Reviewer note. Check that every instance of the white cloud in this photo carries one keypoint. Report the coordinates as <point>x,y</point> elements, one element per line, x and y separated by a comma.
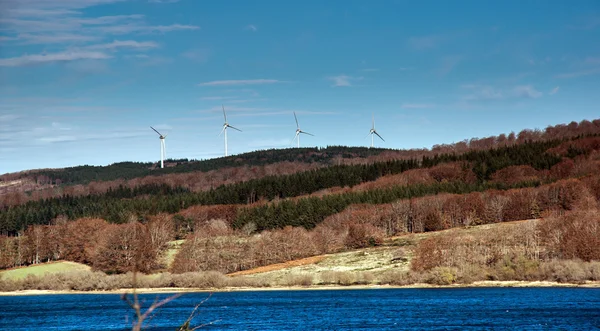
<point>137,56</point>
<point>554,90</point>
<point>57,139</point>
<point>37,12</point>
<point>53,57</point>
<point>483,92</point>
<point>240,82</point>
<point>490,93</point>
<point>251,27</point>
<point>64,22</point>
<point>581,73</point>
<point>55,5</point>
<point>132,28</point>
<point>125,44</point>
<point>8,117</point>
<point>527,91</point>
<point>55,38</point>
<point>342,80</point>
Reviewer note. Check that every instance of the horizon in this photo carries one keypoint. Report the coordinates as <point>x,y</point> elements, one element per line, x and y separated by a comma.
<point>83,81</point>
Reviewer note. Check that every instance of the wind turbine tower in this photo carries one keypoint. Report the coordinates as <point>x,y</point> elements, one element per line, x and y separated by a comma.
<point>225,126</point>
<point>163,148</point>
<point>373,132</point>
<point>298,132</point>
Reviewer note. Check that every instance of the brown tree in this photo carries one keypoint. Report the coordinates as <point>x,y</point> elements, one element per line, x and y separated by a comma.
<point>124,248</point>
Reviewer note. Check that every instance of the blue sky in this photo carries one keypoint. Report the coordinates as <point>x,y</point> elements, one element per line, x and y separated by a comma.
<point>81,81</point>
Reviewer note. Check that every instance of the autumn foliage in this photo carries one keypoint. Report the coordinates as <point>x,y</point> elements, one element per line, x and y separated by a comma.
<point>261,217</point>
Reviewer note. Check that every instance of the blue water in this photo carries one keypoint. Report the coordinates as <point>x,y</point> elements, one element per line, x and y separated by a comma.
<point>381,309</point>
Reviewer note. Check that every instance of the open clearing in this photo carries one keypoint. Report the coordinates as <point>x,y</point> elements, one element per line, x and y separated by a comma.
<point>395,254</point>
<point>41,269</point>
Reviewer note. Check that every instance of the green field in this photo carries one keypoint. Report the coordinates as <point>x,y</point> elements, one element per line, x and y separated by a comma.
<point>172,250</point>
<point>41,269</point>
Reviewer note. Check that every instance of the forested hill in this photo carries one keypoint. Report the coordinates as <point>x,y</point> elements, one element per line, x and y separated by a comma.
<point>462,173</point>
<point>325,156</point>
<point>129,170</point>
<point>308,201</point>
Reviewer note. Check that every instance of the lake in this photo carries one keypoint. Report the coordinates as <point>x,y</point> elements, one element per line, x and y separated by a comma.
<point>381,309</point>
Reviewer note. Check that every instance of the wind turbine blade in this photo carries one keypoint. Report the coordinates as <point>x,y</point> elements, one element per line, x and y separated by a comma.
<point>297,125</point>
<point>224,127</point>
<point>224,115</point>
<point>373,122</point>
<point>292,142</point>
<point>375,132</point>
<point>156,131</point>
<point>367,136</point>
<point>310,134</point>
<point>235,128</point>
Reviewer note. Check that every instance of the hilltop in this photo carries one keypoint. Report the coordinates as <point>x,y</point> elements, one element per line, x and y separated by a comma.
<point>86,179</point>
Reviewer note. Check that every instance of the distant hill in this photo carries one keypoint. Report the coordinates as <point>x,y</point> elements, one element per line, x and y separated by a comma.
<point>129,170</point>
<point>85,174</point>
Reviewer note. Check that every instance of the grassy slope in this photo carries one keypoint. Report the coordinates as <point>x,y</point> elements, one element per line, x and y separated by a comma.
<point>374,260</point>
<point>41,269</point>
<point>172,250</point>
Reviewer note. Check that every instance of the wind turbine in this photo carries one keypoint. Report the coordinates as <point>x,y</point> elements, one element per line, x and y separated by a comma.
<point>298,132</point>
<point>163,148</point>
<point>374,132</point>
<point>225,126</point>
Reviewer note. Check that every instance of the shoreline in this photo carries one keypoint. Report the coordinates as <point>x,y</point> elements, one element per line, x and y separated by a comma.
<point>173,290</point>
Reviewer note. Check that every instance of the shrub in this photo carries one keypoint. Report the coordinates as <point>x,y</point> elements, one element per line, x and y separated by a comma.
<point>565,271</point>
<point>471,273</point>
<point>337,277</point>
<point>301,279</point>
<point>363,235</point>
<point>363,278</point>
<point>245,281</point>
<point>401,278</point>
<point>441,276</point>
<point>594,270</point>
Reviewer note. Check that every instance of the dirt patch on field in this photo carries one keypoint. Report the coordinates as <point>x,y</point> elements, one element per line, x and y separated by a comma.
<point>279,266</point>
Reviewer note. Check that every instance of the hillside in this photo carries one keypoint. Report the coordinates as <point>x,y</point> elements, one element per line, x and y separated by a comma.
<point>202,175</point>
<point>334,203</point>
<point>392,263</point>
<point>393,256</point>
